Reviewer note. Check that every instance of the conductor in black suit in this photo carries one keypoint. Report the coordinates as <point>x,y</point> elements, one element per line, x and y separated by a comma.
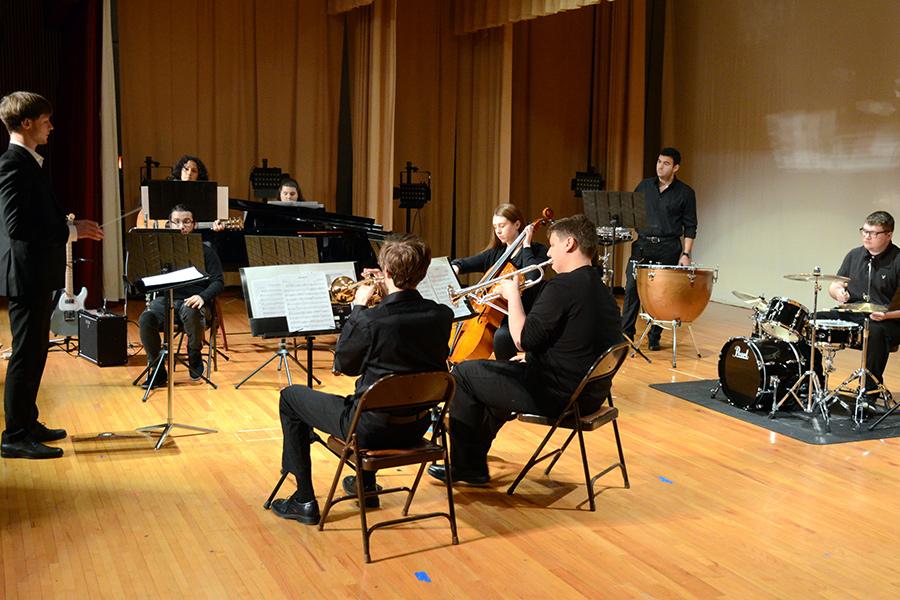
<point>33,237</point>
<point>405,333</point>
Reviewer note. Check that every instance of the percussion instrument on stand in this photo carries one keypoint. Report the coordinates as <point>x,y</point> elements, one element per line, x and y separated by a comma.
<point>758,305</point>
<point>672,296</point>
<point>787,315</point>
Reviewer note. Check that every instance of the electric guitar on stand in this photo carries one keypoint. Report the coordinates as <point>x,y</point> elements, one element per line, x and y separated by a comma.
<point>64,320</point>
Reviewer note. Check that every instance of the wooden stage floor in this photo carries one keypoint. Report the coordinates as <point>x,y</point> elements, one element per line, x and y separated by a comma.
<point>717,507</point>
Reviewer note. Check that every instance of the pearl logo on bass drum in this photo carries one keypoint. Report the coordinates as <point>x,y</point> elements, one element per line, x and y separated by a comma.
<point>745,355</point>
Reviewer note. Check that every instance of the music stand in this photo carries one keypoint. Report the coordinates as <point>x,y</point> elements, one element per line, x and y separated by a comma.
<point>153,251</point>
<point>168,283</point>
<point>200,196</point>
<point>289,301</point>
<point>618,209</point>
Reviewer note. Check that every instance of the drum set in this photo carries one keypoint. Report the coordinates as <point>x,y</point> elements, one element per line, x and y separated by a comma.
<point>790,355</point>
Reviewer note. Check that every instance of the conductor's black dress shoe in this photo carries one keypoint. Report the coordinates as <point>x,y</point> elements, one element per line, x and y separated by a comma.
<point>42,433</point>
<point>472,478</point>
<point>291,508</point>
<point>28,448</point>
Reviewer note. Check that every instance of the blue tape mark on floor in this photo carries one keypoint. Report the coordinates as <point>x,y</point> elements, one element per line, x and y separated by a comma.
<point>423,576</point>
<point>666,480</point>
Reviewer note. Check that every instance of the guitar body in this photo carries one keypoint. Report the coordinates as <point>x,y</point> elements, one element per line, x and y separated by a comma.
<point>64,320</point>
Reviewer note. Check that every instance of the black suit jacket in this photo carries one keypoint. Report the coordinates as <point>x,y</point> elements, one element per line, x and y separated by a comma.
<point>33,230</point>
<point>403,334</point>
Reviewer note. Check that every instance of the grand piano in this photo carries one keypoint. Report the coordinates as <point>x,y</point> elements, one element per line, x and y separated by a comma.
<point>338,237</point>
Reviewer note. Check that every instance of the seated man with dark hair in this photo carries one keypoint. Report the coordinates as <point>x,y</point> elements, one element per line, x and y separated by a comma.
<point>573,321</point>
<point>192,306</point>
<point>290,191</point>
<point>403,334</point>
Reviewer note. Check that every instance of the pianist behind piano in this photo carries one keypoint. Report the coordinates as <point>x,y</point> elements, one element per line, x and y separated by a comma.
<point>290,191</point>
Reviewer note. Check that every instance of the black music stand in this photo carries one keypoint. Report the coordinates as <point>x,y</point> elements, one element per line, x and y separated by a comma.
<point>168,283</point>
<point>153,251</point>
<point>272,293</point>
<point>618,209</point>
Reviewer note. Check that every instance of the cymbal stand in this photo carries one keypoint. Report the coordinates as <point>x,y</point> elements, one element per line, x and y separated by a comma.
<point>815,396</point>
<point>860,392</point>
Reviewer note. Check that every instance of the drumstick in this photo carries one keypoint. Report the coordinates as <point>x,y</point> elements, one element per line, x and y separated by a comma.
<point>128,214</point>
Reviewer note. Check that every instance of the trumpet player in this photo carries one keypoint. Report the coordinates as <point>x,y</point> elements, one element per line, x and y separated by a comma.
<point>572,322</point>
<point>403,334</point>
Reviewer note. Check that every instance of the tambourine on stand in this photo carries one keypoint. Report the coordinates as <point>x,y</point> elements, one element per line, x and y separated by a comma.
<point>672,296</point>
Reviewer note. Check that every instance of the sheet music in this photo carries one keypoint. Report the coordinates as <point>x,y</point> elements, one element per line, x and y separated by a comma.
<point>435,286</point>
<point>267,298</point>
<point>179,276</point>
<point>307,302</point>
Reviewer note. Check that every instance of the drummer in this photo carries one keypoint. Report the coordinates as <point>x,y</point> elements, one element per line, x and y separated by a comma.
<point>671,217</point>
<point>874,272</point>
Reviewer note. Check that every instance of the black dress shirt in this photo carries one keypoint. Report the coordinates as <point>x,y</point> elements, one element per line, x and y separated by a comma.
<point>885,274</point>
<point>404,333</point>
<point>671,213</point>
<point>480,263</point>
<point>573,321</point>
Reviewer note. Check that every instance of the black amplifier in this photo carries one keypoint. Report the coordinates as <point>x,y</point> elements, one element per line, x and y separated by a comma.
<point>103,337</point>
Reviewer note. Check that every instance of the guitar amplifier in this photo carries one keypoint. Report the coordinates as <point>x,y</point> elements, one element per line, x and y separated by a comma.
<point>103,338</point>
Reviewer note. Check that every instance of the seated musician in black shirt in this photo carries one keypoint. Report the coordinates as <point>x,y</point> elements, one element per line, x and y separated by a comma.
<point>192,306</point>
<point>507,224</point>
<point>403,334</point>
<point>874,272</point>
<point>573,321</point>
<point>289,191</point>
<point>189,168</point>
<point>671,213</point>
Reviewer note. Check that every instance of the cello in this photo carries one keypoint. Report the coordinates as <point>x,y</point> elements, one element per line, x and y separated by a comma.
<point>474,337</point>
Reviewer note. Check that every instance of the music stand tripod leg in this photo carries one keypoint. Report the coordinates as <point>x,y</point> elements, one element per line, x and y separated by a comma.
<point>258,369</point>
<point>675,326</point>
<point>635,349</point>
<point>694,340</point>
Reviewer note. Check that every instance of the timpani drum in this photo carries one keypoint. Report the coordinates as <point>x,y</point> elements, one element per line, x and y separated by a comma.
<point>674,293</point>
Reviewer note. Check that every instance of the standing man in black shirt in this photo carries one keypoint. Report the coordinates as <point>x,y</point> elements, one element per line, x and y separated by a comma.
<point>671,216</point>
<point>193,305</point>
<point>874,272</point>
<point>573,321</point>
<point>404,333</point>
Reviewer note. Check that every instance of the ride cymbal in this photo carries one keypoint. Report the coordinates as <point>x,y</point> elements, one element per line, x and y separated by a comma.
<point>814,277</point>
<point>863,307</point>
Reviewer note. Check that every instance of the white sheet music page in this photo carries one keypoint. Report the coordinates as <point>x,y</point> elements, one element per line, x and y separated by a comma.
<point>308,303</point>
<point>267,298</point>
<point>438,280</point>
<point>173,278</point>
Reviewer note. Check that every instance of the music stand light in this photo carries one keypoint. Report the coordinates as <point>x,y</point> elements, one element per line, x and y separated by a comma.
<point>265,180</point>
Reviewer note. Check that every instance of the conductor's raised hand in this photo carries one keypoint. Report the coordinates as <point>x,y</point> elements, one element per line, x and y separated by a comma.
<point>88,230</point>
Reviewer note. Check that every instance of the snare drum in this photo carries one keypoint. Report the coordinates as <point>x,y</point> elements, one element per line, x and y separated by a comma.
<point>785,319</point>
<point>755,371</point>
<point>838,334</point>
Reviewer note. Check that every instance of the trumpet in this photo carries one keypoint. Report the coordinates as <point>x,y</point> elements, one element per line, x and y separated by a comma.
<point>343,289</point>
<point>457,295</point>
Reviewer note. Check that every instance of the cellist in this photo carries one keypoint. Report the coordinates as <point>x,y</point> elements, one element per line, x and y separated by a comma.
<point>507,224</point>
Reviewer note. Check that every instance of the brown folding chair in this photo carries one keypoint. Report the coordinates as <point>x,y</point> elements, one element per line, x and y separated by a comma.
<point>601,373</point>
<point>419,392</point>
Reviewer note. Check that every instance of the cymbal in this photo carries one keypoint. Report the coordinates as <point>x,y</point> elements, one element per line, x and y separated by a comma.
<point>753,300</point>
<point>814,277</point>
<point>863,307</point>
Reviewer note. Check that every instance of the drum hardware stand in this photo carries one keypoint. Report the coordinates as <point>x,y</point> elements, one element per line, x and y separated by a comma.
<point>815,395</point>
<point>673,325</point>
<point>860,392</point>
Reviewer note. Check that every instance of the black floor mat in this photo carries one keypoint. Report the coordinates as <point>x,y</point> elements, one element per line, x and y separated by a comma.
<point>809,428</point>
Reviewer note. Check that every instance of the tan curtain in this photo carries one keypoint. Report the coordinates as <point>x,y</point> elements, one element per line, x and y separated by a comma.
<point>483,133</point>
<point>475,15</point>
<point>232,82</point>
<point>372,42</point>
<point>336,7</point>
<point>109,168</point>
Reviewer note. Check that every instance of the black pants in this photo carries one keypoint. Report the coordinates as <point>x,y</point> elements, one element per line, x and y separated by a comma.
<point>882,336</point>
<point>192,320</point>
<point>488,393</point>
<point>29,322</point>
<point>302,409</point>
<point>666,252</point>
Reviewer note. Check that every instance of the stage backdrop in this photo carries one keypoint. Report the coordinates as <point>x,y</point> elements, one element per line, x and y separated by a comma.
<point>787,117</point>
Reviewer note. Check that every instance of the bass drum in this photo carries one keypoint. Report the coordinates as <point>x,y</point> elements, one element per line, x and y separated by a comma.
<point>753,371</point>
